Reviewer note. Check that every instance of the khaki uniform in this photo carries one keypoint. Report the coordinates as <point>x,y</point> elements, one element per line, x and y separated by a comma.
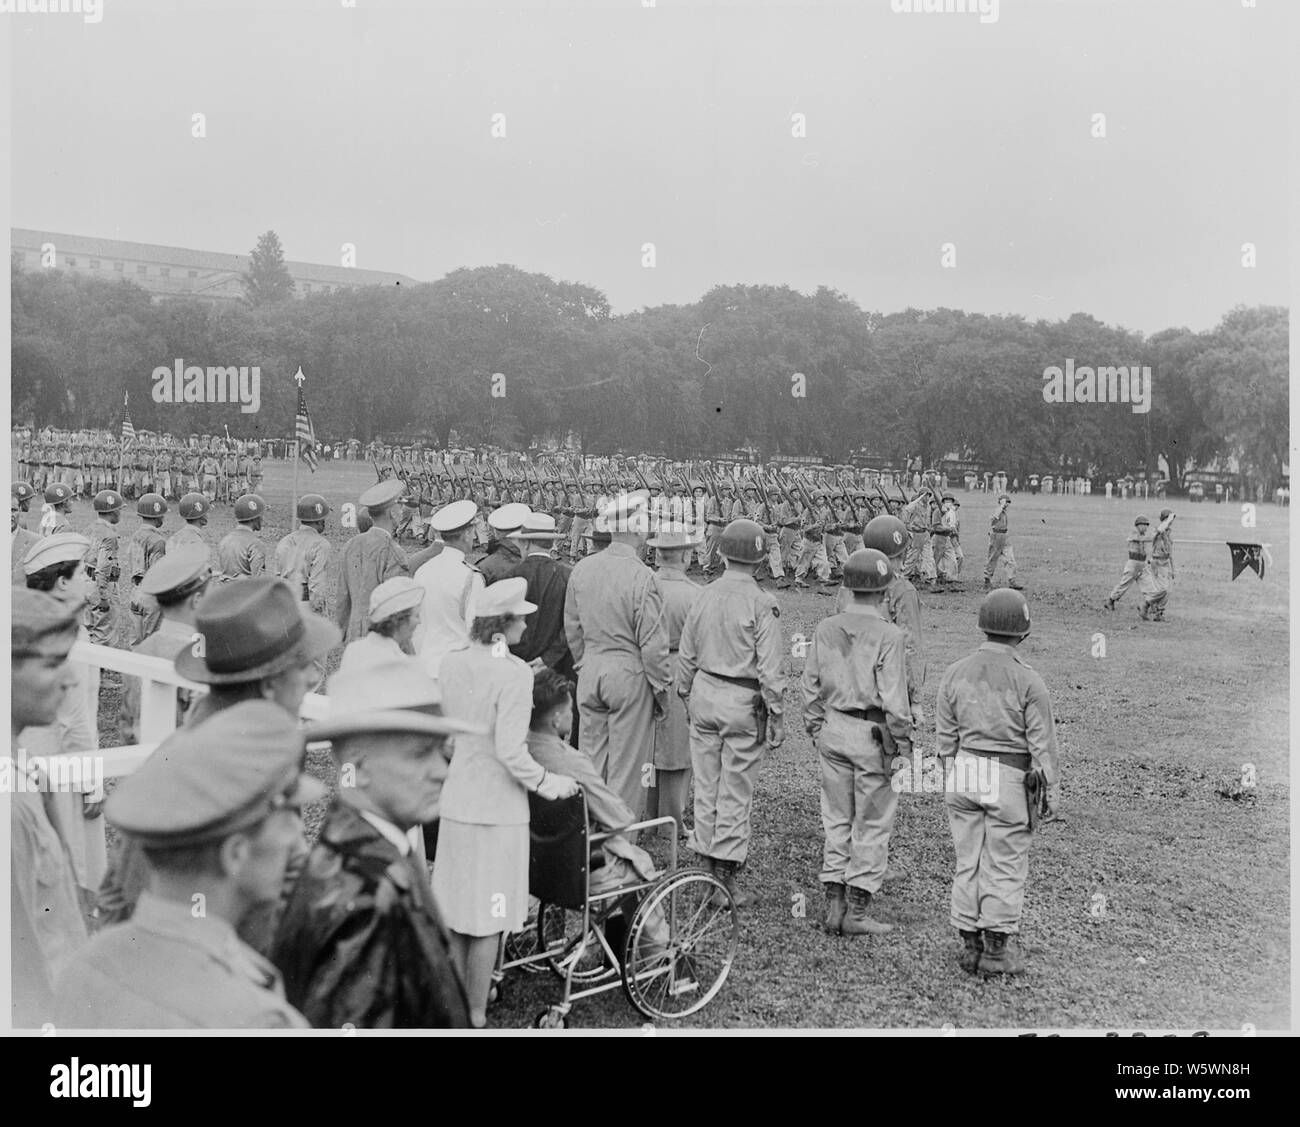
<point>367,560</point>
<point>731,673</point>
<point>614,620</point>
<point>101,616</point>
<point>1134,566</point>
<point>1159,575</point>
<point>1000,548</point>
<point>302,559</point>
<point>993,723</point>
<point>145,548</point>
<point>854,681</point>
<point>672,754</point>
<point>919,559</point>
<point>241,555</point>
<point>166,642</point>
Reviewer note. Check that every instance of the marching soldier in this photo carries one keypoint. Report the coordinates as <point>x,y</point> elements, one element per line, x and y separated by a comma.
<point>944,543</point>
<point>993,714</point>
<point>717,515</point>
<point>102,558</point>
<point>1159,575</point>
<point>209,469</point>
<point>856,709</point>
<point>302,558</point>
<point>144,548</point>
<point>919,561</point>
<point>1000,547</point>
<point>241,553</point>
<point>1136,563</point>
<point>730,675</point>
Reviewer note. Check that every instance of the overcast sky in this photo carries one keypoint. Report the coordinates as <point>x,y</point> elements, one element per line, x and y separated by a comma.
<point>672,125</point>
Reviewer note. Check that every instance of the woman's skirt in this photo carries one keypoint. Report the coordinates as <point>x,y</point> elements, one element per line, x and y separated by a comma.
<point>480,877</point>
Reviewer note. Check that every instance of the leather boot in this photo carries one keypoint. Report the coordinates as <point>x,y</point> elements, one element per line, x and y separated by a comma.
<point>856,919</point>
<point>835,908</point>
<point>969,959</point>
<point>727,871</point>
<point>999,958</point>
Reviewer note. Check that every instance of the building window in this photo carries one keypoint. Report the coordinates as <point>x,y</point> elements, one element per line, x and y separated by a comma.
<point>193,273</point>
<point>119,266</point>
<point>165,271</point>
<point>94,263</point>
<point>142,270</point>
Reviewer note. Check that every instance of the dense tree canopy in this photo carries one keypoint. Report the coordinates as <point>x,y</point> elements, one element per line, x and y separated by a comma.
<point>498,355</point>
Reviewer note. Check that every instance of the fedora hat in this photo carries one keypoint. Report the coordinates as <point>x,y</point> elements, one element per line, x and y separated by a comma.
<point>394,695</point>
<point>673,536</point>
<point>537,526</point>
<point>250,629</point>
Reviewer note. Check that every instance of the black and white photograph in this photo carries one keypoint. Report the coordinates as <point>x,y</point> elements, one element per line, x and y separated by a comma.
<point>490,485</point>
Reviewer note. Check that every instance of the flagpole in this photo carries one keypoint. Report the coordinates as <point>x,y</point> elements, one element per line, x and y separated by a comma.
<point>297,443</point>
<point>121,445</point>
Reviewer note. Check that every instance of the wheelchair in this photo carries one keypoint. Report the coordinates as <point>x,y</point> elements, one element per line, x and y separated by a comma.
<point>674,950</point>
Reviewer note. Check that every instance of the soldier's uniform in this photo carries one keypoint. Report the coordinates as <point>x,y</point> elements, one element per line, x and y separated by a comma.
<point>367,560</point>
<point>993,714</point>
<point>919,560</point>
<point>302,560</point>
<point>103,559</point>
<point>240,554</point>
<point>1136,563</point>
<point>731,672</point>
<point>1159,575</point>
<point>945,545</point>
<point>144,548</point>
<point>1000,548</point>
<point>717,514</point>
<point>672,753</point>
<point>209,468</point>
<point>614,623</point>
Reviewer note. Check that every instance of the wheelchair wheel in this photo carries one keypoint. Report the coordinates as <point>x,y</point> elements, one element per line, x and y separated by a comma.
<point>552,1018</point>
<point>561,932</point>
<point>524,944</point>
<point>681,945</point>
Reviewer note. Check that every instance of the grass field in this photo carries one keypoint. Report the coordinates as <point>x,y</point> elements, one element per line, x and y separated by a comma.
<point>1157,903</point>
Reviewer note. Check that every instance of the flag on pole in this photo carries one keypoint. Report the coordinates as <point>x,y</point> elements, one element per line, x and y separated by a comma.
<point>128,431</point>
<point>1245,556</point>
<point>305,433</point>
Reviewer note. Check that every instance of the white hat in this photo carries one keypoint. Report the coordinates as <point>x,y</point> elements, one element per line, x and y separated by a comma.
<point>393,596</point>
<point>508,517</point>
<point>62,547</point>
<point>627,512</point>
<point>453,517</point>
<point>382,493</point>
<point>505,596</point>
<point>391,696</point>
<point>537,526</point>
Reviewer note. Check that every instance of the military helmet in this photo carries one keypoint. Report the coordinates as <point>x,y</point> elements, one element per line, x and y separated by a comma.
<point>108,501</point>
<point>867,570</point>
<point>1005,612</point>
<point>249,507</point>
<point>194,505</point>
<point>56,493</point>
<point>886,534</point>
<point>743,541</point>
<point>312,506</point>
<point>20,491</point>
<point>1142,520</point>
<point>1166,513</point>
<point>151,505</point>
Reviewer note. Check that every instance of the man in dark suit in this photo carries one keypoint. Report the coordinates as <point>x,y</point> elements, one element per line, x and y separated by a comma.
<point>361,941</point>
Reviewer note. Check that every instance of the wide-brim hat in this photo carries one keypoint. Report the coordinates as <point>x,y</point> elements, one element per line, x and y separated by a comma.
<point>393,695</point>
<point>505,596</point>
<point>537,526</point>
<point>250,629</point>
<point>673,536</point>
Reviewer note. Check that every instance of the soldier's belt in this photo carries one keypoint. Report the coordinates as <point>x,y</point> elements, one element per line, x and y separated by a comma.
<point>743,682</point>
<point>719,523</point>
<point>1021,760</point>
<point>791,524</point>
<point>1135,556</point>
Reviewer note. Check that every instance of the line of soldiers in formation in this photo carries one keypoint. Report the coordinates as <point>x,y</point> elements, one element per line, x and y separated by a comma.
<point>675,682</point>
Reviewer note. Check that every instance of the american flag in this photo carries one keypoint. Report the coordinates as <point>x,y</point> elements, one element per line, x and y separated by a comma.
<point>304,433</point>
<point>128,431</point>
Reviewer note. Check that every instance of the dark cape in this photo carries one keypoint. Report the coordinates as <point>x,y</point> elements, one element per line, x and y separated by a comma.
<point>361,941</point>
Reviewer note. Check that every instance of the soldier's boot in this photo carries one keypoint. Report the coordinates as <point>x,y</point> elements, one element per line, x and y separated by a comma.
<point>835,908</point>
<point>988,584</point>
<point>727,871</point>
<point>1142,611</point>
<point>997,957</point>
<point>857,921</point>
<point>1016,586</point>
<point>1109,604</point>
<point>783,583</point>
<point>972,949</point>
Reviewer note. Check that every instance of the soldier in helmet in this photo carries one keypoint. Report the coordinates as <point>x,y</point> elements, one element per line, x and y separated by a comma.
<point>1136,564</point>
<point>944,542</point>
<point>102,565</point>
<point>59,497</point>
<point>22,539</point>
<point>731,675</point>
<point>144,548</point>
<point>1159,575</point>
<point>857,710</point>
<point>241,553</point>
<point>303,557</point>
<point>194,509</point>
<point>993,727</point>
<point>1000,547</point>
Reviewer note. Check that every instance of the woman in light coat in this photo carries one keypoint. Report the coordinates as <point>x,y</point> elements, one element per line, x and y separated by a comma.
<point>480,873</point>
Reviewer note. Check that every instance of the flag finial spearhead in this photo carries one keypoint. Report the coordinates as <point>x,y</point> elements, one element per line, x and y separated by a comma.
<point>298,376</point>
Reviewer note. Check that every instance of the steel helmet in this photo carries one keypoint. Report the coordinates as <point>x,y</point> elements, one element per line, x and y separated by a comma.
<point>108,501</point>
<point>249,507</point>
<point>867,570</point>
<point>20,491</point>
<point>886,534</point>
<point>151,505</point>
<point>1165,513</point>
<point>312,506</point>
<point>57,493</point>
<point>1005,612</point>
<point>1142,520</point>
<point>743,541</point>
<point>194,505</point>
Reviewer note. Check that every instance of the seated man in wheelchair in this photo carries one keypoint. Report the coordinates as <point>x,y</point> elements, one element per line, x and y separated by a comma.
<point>548,743</point>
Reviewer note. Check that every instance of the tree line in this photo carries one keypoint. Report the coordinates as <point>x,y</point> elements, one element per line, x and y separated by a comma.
<point>496,355</point>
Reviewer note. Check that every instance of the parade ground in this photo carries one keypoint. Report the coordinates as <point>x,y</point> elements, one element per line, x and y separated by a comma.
<point>1158,901</point>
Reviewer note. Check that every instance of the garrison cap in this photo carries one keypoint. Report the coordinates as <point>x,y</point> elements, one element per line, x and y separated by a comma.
<point>62,547</point>
<point>454,517</point>
<point>181,568</point>
<point>205,783</point>
<point>382,493</point>
<point>36,615</point>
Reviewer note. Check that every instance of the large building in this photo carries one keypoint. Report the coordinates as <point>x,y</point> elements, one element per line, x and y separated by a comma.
<point>176,272</point>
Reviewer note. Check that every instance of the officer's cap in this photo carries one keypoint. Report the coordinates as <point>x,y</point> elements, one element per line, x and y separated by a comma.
<point>36,615</point>
<point>62,547</point>
<point>452,518</point>
<point>181,571</point>
<point>382,493</point>
<point>205,783</point>
<point>508,517</point>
